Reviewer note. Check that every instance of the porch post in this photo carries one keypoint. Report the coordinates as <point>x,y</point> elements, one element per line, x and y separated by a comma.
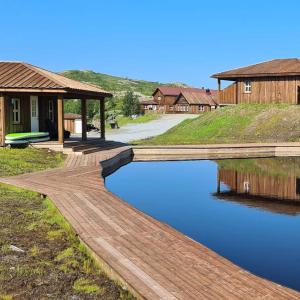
<point>3,118</point>
<point>102,117</point>
<point>60,118</point>
<point>219,84</point>
<point>83,119</point>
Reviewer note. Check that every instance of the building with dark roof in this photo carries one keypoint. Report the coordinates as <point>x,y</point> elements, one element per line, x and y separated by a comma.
<point>275,81</point>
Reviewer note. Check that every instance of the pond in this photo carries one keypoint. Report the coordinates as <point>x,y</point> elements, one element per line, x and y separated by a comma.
<point>247,210</point>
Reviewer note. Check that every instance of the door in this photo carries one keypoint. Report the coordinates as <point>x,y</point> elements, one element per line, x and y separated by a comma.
<point>34,112</point>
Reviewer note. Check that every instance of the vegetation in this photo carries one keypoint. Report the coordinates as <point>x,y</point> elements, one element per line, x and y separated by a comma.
<point>118,85</point>
<point>140,119</point>
<point>50,262</point>
<point>237,124</point>
<point>131,105</point>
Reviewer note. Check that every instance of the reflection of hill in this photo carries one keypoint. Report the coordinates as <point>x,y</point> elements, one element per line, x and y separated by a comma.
<point>279,166</point>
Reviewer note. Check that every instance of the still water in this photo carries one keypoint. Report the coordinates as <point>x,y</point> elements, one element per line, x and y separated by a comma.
<point>247,210</point>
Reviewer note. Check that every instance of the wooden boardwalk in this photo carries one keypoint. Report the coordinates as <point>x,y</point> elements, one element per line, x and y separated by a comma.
<point>156,261</point>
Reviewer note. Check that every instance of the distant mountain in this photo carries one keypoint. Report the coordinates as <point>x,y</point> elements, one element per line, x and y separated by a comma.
<point>117,85</point>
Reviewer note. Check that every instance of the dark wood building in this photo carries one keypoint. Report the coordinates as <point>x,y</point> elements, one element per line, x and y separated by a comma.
<point>149,105</point>
<point>275,81</point>
<point>32,99</point>
<point>184,100</point>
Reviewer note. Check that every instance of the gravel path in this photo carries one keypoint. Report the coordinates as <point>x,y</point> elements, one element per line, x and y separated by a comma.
<point>131,132</point>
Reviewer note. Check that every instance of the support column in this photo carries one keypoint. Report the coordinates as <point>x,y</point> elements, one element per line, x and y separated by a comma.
<point>60,118</point>
<point>2,119</point>
<point>102,118</point>
<point>219,85</point>
<point>83,120</point>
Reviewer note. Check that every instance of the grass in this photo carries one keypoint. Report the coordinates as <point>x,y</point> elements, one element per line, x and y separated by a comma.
<point>54,264</point>
<point>237,124</point>
<point>122,120</point>
<point>27,160</point>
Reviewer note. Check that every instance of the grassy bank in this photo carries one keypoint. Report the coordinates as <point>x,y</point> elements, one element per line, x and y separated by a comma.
<point>52,262</point>
<point>236,124</point>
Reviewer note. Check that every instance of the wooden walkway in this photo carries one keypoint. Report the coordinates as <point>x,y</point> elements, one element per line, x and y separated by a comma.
<point>156,261</point>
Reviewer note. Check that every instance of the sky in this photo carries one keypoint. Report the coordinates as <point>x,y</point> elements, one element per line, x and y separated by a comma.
<point>167,40</point>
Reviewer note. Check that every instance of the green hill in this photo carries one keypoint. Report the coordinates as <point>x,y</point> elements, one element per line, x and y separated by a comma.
<point>117,85</point>
<point>236,124</point>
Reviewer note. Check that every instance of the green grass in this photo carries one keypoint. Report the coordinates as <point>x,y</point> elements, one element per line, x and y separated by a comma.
<point>19,161</point>
<point>122,121</point>
<point>116,84</point>
<point>236,124</point>
<point>54,262</point>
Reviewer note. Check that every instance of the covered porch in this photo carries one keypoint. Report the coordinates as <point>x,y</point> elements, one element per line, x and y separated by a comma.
<point>32,100</point>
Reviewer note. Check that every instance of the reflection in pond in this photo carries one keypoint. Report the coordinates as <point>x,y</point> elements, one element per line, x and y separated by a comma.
<point>257,183</point>
<point>247,210</point>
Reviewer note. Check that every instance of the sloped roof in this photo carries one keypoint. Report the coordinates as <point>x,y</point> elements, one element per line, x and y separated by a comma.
<point>71,116</point>
<point>20,75</point>
<point>149,102</point>
<point>173,91</point>
<point>200,96</point>
<point>276,67</point>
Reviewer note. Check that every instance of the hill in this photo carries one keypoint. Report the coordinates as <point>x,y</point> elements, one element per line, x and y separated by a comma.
<point>117,85</point>
<point>236,124</point>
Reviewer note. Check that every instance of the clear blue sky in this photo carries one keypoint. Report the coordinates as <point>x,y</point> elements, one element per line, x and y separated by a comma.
<point>159,40</point>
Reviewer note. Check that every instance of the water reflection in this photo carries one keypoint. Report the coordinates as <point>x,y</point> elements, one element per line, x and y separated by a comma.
<point>266,183</point>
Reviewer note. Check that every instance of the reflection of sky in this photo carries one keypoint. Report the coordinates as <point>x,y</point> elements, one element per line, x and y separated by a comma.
<point>181,194</point>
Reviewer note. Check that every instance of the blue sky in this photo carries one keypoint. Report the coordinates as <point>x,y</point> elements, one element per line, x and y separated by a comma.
<point>166,40</point>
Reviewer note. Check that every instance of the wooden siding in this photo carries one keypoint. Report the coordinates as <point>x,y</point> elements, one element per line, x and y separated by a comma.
<point>267,90</point>
<point>70,125</point>
<point>284,188</point>
<point>228,95</point>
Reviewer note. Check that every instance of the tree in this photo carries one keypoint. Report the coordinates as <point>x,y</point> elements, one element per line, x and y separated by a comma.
<point>131,104</point>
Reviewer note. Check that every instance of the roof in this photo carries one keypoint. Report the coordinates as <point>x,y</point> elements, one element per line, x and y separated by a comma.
<point>276,67</point>
<point>149,102</point>
<point>72,116</point>
<point>23,76</point>
<point>173,90</point>
<point>199,96</point>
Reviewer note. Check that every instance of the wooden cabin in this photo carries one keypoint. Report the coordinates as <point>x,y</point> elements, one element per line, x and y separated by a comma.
<point>32,100</point>
<point>73,123</point>
<point>149,106</point>
<point>275,81</point>
<point>194,100</point>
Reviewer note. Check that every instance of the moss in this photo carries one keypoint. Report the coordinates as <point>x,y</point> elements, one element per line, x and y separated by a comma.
<point>83,285</point>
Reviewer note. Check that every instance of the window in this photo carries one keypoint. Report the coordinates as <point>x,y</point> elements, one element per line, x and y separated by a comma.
<point>50,109</point>
<point>171,107</point>
<point>16,110</point>
<point>158,98</point>
<point>248,87</point>
<point>201,108</point>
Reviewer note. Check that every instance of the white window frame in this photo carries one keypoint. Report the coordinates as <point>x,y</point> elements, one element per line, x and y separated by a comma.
<point>16,110</point>
<point>201,108</point>
<point>51,110</point>
<point>247,87</point>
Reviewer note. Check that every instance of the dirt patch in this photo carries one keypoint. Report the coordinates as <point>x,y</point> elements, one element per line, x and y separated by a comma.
<point>54,264</point>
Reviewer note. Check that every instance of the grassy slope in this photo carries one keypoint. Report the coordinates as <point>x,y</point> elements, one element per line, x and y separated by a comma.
<point>54,263</point>
<point>237,124</point>
<point>114,83</point>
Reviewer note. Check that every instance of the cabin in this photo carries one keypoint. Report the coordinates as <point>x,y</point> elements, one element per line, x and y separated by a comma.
<point>194,100</point>
<point>32,100</point>
<point>271,82</point>
<point>73,123</point>
<point>149,106</point>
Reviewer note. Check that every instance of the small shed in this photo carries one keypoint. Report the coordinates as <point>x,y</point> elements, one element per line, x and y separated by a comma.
<point>73,123</point>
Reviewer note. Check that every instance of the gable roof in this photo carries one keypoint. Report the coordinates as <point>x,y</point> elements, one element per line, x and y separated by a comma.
<point>276,67</point>
<point>20,75</point>
<point>173,90</point>
<point>200,96</point>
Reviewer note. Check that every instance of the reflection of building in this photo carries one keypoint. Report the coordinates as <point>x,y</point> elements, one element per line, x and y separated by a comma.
<point>272,193</point>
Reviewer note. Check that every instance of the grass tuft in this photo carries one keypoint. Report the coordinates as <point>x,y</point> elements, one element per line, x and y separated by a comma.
<point>86,286</point>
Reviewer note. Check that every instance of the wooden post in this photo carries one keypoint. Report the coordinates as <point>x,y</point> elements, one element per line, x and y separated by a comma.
<point>102,118</point>
<point>219,84</point>
<point>2,119</point>
<point>83,119</point>
<point>60,118</point>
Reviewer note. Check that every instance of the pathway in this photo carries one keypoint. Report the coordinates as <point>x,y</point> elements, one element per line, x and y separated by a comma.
<point>154,259</point>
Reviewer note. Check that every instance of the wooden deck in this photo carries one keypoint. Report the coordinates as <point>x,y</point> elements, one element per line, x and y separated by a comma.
<point>156,261</point>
